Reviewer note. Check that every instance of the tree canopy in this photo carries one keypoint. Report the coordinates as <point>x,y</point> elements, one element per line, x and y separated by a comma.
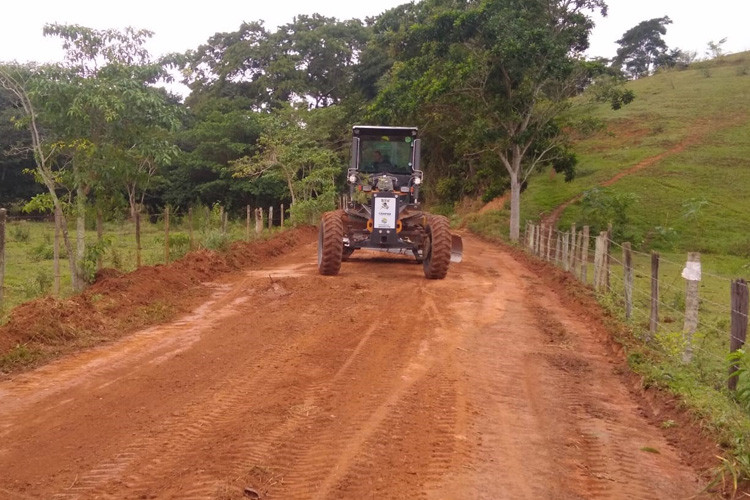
<point>269,114</point>
<point>642,48</point>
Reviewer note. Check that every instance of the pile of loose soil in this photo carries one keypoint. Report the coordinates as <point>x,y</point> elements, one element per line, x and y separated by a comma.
<point>118,303</point>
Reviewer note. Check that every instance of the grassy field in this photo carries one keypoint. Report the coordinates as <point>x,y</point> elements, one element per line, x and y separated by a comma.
<point>29,250</point>
<point>692,130</point>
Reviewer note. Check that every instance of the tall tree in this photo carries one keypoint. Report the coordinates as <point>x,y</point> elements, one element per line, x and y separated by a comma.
<point>642,48</point>
<point>311,59</point>
<point>496,73</point>
<point>18,82</point>
<point>293,150</point>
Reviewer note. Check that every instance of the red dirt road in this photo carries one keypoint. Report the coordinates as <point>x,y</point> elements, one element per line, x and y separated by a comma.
<point>376,383</point>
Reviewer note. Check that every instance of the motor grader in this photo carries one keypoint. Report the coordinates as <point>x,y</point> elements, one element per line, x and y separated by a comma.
<point>383,212</point>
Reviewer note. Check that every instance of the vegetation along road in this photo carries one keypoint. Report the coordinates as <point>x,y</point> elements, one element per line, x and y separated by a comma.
<point>375,383</point>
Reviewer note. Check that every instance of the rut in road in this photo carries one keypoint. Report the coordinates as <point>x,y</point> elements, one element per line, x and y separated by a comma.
<point>375,383</point>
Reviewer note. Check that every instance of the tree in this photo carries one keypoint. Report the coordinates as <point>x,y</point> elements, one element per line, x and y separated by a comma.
<point>311,59</point>
<point>293,150</point>
<point>715,50</point>
<point>497,73</point>
<point>642,48</point>
<point>16,80</point>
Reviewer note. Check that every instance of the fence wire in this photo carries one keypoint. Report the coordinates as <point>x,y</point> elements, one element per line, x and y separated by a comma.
<point>713,333</point>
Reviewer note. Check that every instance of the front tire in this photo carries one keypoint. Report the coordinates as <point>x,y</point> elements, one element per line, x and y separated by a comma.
<point>437,255</point>
<point>330,243</point>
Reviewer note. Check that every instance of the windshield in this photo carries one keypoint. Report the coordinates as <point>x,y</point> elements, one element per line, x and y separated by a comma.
<point>392,154</point>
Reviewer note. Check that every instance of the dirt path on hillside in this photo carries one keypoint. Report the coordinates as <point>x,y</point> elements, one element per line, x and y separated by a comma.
<point>699,132</point>
<point>373,384</point>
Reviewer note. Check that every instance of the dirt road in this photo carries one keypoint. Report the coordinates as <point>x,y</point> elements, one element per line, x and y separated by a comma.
<point>373,384</point>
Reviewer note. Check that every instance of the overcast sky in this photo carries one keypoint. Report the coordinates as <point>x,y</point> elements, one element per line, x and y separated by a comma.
<point>178,26</point>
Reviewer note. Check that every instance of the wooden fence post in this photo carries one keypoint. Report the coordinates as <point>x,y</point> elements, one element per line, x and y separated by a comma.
<point>600,262</point>
<point>692,274</point>
<point>654,318</point>
<point>585,255</point>
<point>281,215</point>
<point>258,220</point>
<point>99,238</point>
<point>222,222</point>
<point>166,235</point>
<point>538,237</point>
<point>566,251</point>
<point>3,218</point>
<point>607,259</point>
<point>529,235</point>
<point>532,237</point>
<point>247,224</point>
<point>627,264</point>
<point>558,249</point>
<point>540,241</point>
<point>572,252</point>
<point>578,260</point>
<point>56,254</point>
<point>190,228</point>
<point>270,217</point>
<point>549,244</point>
<point>138,237</point>
<point>738,325</point>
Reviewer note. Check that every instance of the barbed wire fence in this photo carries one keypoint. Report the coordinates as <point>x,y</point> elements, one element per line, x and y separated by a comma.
<point>696,316</point>
<point>33,258</point>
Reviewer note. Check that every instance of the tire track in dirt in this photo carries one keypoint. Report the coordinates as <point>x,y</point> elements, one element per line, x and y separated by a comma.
<point>376,383</point>
<point>319,471</point>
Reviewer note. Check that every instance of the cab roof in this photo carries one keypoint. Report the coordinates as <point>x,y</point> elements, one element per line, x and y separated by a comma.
<point>359,130</point>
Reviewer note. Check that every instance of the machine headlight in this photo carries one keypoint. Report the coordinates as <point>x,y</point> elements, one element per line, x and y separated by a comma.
<point>353,179</point>
<point>417,181</point>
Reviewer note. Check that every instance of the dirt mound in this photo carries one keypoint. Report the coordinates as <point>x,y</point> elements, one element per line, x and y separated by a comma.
<point>118,303</point>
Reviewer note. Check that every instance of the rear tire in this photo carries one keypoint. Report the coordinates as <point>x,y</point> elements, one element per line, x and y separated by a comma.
<point>437,255</point>
<point>330,243</point>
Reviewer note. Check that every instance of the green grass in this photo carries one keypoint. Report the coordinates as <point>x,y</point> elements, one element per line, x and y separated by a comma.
<point>693,199</point>
<point>29,251</point>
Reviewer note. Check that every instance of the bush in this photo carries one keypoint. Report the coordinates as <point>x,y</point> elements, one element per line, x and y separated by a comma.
<point>20,232</point>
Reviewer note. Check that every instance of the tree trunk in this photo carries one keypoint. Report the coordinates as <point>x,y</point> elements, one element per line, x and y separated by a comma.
<point>515,207</point>
<point>80,236</point>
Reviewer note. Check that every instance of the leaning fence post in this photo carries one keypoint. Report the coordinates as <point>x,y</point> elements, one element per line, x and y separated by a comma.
<point>3,217</point>
<point>738,325</point>
<point>585,254</point>
<point>692,274</point>
<point>627,264</point>
<point>654,318</point>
